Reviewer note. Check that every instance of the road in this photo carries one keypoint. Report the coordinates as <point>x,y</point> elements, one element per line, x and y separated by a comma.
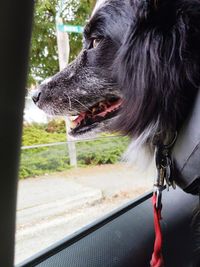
<point>53,206</point>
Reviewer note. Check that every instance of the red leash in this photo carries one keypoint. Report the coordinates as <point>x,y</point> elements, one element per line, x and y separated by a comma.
<point>157,258</point>
<point>163,165</point>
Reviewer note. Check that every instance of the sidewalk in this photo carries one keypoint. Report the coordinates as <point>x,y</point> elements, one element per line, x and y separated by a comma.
<point>56,205</point>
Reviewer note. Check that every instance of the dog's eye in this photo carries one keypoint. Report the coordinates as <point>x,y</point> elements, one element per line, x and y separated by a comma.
<point>95,42</point>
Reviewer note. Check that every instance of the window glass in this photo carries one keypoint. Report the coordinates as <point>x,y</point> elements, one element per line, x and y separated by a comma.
<point>56,199</point>
<point>66,184</point>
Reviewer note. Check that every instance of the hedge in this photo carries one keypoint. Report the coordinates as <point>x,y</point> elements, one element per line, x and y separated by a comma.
<point>38,161</point>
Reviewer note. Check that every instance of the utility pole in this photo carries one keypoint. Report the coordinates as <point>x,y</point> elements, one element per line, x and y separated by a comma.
<point>63,55</point>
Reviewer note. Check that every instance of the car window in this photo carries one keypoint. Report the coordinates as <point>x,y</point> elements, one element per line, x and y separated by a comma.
<point>64,183</point>
<point>56,199</point>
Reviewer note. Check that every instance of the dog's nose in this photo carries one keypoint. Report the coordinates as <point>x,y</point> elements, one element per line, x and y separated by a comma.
<point>36,96</point>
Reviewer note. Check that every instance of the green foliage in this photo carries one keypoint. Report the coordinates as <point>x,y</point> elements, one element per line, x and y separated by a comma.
<point>56,126</point>
<point>38,161</point>
<point>103,151</point>
<point>35,134</point>
<point>44,57</point>
<point>81,11</point>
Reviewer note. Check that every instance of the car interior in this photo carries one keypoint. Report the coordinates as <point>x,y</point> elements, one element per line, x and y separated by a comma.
<point>122,238</point>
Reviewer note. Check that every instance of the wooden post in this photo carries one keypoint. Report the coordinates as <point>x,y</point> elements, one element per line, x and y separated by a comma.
<point>63,55</point>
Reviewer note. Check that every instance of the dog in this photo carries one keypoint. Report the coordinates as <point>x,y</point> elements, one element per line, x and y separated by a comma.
<point>138,71</point>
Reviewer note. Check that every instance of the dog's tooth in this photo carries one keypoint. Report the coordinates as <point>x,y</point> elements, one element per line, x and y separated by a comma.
<point>93,110</point>
<point>72,124</point>
<point>72,118</point>
<point>70,121</point>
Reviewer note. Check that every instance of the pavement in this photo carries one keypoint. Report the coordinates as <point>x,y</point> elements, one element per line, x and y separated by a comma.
<point>53,206</point>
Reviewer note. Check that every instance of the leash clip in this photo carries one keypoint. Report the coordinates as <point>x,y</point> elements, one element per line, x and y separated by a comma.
<point>158,192</point>
<point>163,166</point>
<point>161,173</point>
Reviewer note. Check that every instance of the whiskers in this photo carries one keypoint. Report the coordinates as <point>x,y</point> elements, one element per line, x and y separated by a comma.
<point>83,105</point>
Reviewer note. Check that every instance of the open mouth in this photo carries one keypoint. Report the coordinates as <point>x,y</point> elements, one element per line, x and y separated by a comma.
<point>104,110</point>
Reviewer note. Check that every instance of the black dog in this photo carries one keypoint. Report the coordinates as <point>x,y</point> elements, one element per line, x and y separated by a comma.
<point>138,72</point>
<point>140,57</point>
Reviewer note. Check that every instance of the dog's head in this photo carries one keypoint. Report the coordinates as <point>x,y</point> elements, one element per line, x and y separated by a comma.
<point>138,70</point>
<point>86,88</point>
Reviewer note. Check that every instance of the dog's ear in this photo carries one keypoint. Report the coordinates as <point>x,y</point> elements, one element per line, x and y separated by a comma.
<point>158,69</point>
<point>154,11</point>
<point>140,72</point>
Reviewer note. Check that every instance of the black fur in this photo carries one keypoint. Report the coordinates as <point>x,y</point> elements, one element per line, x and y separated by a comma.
<point>158,66</point>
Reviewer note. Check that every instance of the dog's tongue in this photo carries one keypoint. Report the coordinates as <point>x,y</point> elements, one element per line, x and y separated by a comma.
<point>108,109</point>
<point>100,110</point>
<point>80,117</point>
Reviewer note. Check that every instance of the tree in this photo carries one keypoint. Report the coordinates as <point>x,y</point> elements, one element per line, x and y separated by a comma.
<point>43,57</point>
